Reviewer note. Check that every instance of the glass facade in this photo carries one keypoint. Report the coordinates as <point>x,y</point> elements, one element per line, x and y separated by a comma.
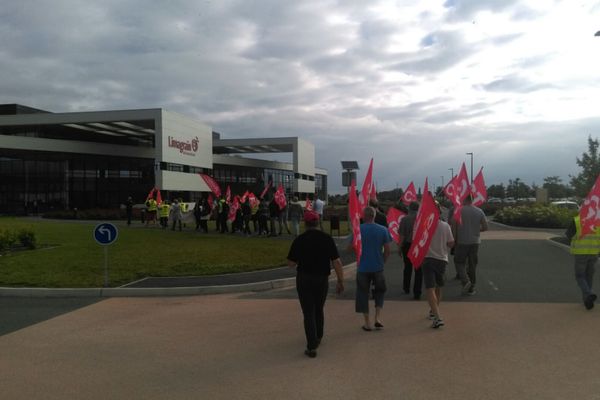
<point>57,181</point>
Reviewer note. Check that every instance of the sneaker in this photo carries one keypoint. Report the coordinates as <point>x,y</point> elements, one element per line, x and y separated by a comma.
<point>471,291</point>
<point>431,315</point>
<point>312,353</point>
<point>466,287</point>
<point>589,301</point>
<point>437,323</point>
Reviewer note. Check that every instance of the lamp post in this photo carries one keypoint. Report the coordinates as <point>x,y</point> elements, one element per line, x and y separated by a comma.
<point>471,154</point>
<point>451,172</point>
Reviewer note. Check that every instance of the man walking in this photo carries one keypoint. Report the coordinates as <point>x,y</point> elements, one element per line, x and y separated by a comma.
<point>434,268</point>
<point>405,232</point>
<point>467,238</point>
<point>312,254</point>
<point>585,250</point>
<point>375,252</point>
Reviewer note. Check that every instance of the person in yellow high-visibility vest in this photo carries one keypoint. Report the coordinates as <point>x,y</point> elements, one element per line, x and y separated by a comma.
<point>164,209</point>
<point>585,250</point>
<point>151,208</point>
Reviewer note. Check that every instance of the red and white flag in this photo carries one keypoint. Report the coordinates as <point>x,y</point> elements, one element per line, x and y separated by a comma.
<point>244,196</point>
<point>365,193</point>
<point>253,200</point>
<point>233,209</point>
<point>211,201</point>
<point>456,190</point>
<point>266,189</point>
<point>354,211</point>
<point>428,218</point>
<point>308,205</point>
<point>228,195</point>
<point>409,195</point>
<point>373,195</point>
<point>158,197</point>
<point>394,216</point>
<point>151,194</point>
<point>589,215</point>
<point>212,184</point>
<point>478,190</point>
<point>280,197</point>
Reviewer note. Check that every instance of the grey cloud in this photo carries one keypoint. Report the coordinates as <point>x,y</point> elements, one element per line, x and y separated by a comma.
<point>466,9</point>
<point>515,83</point>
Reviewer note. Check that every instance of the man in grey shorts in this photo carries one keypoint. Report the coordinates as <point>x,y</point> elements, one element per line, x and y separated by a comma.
<point>466,235</point>
<point>434,269</point>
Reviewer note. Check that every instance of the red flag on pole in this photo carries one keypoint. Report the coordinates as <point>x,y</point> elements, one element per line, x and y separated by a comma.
<point>410,194</point>
<point>211,201</point>
<point>428,218</point>
<point>228,195</point>
<point>253,200</point>
<point>280,197</point>
<point>365,192</point>
<point>354,211</point>
<point>158,197</point>
<point>308,204</point>
<point>212,184</point>
<point>262,195</point>
<point>233,209</point>
<point>151,194</point>
<point>244,196</point>
<point>373,194</point>
<point>394,216</point>
<point>456,190</point>
<point>478,190</point>
<point>589,215</point>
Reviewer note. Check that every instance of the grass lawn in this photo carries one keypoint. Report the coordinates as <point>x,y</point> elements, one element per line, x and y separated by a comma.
<point>68,256</point>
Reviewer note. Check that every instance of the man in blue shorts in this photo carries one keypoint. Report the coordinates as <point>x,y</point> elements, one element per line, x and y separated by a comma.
<point>376,241</point>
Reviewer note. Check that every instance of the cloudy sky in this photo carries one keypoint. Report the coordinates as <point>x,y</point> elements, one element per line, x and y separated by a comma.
<point>415,84</point>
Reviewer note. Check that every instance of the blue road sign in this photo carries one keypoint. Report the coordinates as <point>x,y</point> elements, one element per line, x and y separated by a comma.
<point>105,233</point>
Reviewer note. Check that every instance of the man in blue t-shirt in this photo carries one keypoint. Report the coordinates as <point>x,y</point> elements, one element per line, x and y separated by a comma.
<point>376,241</point>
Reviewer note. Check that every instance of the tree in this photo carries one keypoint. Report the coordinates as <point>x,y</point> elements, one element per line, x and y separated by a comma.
<point>496,191</point>
<point>518,189</point>
<point>590,165</point>
<point>556,189</point>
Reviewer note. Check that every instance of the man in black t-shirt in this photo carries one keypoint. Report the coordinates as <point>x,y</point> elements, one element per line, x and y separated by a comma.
<point>312,254</point>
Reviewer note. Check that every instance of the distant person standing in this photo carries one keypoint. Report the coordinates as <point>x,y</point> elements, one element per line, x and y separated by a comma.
<point>296,212</point>
<point>585,251</point>
<point>164,210</point>
<point>318,208</point>
<point>467,238</point>
<point>405,231</point>
<point>434,268</point>
<point>312,254</point>
<point>380,217</point>
<point>129,209</point>
<point>176,214</point>
<point>375,252</point>
<point>151,207</point>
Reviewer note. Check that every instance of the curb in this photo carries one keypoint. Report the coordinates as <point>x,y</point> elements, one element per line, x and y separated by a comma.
<point>158,292</point>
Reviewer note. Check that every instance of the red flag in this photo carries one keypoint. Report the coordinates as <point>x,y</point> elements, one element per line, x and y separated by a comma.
<point>456,190</point>
<point>228,195</point>
<point>426,190</point>
<point>212,184</point>
<point>280,197</point>
<point>253,200</point>
<point>158,197</point>
<point>211,201</point>
<point>151,194</point>
<point>354,211</point>
<point>428,218</point>
<point>410,194</point>
<point>589,215</point>
<point>262,195</point>
<point>478,190</point>
<point>394,216</point>
<point>373,194</point>
<point>244,196</point>
<point>365,193</point>
<point>233,209</point>
<point>308,204</point>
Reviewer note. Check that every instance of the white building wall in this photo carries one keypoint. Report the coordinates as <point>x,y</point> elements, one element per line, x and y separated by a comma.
<point>179,181</point>
<point>304,163</point>
<point>195,139</point>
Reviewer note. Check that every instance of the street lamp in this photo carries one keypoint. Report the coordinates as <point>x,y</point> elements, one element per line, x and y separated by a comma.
<point>471,154</point>
<point>451,172</point>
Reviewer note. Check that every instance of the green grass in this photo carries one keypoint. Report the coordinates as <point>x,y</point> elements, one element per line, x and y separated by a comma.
<point>68,256</point>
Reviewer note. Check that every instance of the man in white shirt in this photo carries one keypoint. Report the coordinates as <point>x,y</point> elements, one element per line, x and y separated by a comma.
<point>318,208</point>
<point>434,269</point>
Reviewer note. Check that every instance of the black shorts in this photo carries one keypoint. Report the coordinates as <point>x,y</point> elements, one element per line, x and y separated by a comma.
<point>434,272</point>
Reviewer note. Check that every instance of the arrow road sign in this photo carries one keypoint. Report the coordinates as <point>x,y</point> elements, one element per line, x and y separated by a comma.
<point>105,233</point>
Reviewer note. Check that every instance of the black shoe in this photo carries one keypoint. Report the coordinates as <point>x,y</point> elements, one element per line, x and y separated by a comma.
<point>589,301</point>
<point>378,325</point>
<point>312,353</point>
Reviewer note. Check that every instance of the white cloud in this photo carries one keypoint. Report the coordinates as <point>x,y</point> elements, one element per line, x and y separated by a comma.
<point>415,83</point>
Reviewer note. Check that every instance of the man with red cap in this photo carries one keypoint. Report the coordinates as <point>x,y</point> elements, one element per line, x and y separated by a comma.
<point>312,253</point>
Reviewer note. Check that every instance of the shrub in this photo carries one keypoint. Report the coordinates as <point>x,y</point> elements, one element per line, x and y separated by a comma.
<point>27,238</point>
<point>536,216</point>
<point>7,239</point>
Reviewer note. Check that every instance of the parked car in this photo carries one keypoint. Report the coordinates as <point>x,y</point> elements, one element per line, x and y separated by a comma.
<point>495,200</point>
<point>570,205</point>
<point>509,200</point>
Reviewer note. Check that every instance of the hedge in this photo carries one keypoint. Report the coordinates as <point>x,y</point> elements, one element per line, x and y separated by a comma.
<point>11,238</point>
<point>535,216</point>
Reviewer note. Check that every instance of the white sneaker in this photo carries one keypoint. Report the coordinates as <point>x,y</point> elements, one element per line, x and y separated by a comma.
<point>466,287</point>
<point>437,323</point>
